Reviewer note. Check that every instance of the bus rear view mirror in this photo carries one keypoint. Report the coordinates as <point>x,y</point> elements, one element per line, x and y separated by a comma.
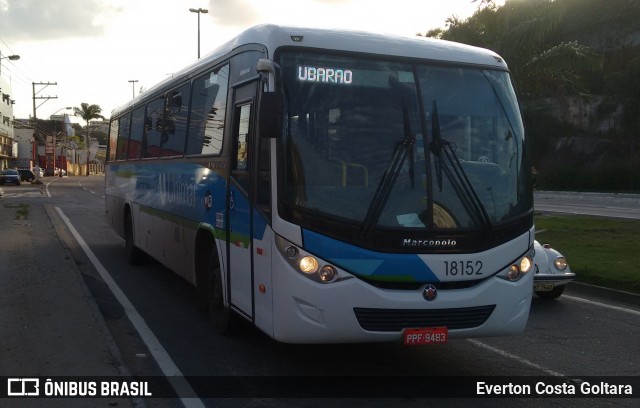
<point>271,105</point>
<point>270,115</point>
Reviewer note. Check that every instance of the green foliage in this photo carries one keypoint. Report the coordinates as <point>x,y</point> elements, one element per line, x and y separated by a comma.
<point>558,50</point>
<point>600,251</point>
<point>88,112</point>
<point>528,34</point>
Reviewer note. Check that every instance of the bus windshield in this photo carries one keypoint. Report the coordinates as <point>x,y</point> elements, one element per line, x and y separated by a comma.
<point>384,145</point>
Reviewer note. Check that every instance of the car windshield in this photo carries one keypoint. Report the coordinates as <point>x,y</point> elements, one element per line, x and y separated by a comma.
<point>396,145</point>
<point>9,172</point>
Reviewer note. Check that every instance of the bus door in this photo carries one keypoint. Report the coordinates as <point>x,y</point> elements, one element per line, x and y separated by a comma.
<point>239,243</point>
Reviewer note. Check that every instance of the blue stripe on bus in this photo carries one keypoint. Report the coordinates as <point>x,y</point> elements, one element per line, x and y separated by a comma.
<point>366,263</point>
<point>180,189</point>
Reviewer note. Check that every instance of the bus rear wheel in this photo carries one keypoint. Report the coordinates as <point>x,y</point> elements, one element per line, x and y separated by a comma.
<point>221,315</point>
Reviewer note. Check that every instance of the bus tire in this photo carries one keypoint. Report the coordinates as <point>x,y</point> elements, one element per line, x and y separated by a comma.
<point>221,316</point>
<point>553,294</point>
<point>134,254</point>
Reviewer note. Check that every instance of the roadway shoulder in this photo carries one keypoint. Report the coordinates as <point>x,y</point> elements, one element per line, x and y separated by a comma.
<point>600,292</point>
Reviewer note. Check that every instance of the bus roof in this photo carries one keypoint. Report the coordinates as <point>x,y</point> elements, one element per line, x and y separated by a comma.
<point>274,36</point>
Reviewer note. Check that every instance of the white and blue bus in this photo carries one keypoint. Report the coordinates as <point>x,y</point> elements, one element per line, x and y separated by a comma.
<point>333,186</point>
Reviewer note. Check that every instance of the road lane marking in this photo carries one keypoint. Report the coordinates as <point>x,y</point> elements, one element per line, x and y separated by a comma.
<point>519,359</point>
<point>537,366</point>
<point>592,302</point>
<point>160,354</point>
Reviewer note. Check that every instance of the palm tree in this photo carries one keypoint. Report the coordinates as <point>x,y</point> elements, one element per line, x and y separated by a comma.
<point>88,113</point>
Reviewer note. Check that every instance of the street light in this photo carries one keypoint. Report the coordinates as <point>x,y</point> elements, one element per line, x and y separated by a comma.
<point>63,131</point>
<point>9,57</point>
<point>133,86</point>
<point>66,108</point>
<point>199,10</point>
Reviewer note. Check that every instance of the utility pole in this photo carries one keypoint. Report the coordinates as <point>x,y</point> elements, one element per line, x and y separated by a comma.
<point>35,117</point>
<point>133,87</point>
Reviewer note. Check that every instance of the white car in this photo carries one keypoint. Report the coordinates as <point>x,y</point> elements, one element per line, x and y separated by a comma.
<point>552,272</point>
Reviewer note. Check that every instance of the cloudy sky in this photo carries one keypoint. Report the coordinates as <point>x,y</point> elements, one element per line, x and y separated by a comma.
<point>92,48</point>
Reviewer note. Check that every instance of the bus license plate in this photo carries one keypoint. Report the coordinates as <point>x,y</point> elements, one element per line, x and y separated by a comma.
<point>543,287</point>
<point>429,335</point>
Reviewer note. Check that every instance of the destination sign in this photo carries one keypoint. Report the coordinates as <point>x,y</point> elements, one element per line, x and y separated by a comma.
<point>325,75</point>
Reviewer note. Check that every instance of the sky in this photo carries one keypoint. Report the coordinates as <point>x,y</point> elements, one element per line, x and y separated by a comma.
<point>93,48</point>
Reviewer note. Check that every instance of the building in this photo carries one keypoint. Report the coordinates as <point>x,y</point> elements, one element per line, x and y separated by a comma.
<point>8,147</point>
<point>53,141</point>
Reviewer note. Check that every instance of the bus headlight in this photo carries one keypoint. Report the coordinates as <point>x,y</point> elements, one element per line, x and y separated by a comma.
<point>519,269</point>
<point>307,264</point>
<point>327,273</point>
<point>513,273</point>
<point>525,264</point>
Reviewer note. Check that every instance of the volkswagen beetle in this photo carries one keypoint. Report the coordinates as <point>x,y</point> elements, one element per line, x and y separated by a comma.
<point>552,272</point>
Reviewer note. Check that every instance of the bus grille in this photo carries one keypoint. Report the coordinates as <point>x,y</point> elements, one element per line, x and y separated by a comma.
<point>395,320</point>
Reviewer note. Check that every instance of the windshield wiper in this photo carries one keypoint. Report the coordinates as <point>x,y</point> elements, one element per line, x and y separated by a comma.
<point>436,144</point>
<point>381,196</point>
<point>456,173</point>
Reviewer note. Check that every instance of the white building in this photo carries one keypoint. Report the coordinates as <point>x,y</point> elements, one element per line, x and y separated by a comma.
<point>8,147</point>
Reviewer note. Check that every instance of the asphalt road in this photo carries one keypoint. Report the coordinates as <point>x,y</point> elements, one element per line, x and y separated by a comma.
<point>160,331</point>
<point>605,205</point>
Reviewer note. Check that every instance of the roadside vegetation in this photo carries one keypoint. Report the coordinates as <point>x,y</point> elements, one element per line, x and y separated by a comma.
<point>22,212</point>
<point>601,251</point>
<point>576,67</point>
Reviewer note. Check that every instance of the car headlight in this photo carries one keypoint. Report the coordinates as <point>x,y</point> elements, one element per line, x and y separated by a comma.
<point>561,263</point>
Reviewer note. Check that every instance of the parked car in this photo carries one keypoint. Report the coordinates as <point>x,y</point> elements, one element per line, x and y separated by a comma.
<point>10,176</point>
<point>552,272</point>
<point>26,175</point>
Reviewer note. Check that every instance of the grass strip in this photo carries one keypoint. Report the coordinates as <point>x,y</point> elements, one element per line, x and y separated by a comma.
<point>601,251</point>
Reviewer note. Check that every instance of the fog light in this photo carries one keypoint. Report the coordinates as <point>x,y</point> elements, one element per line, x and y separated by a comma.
<point>308,264</point>
<point>514,273</point>
<point>292,252</point>
<point>525,264</point>
<point>327,273</point>
<point>561,263</point>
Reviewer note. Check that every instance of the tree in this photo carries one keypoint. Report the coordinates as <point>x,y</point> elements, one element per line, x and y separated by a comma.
<point>528,34</point>
<point>88,113</point>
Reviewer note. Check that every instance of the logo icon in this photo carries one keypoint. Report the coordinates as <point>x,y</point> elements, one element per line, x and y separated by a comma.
<point>23,387</point>
<point>429,292</point>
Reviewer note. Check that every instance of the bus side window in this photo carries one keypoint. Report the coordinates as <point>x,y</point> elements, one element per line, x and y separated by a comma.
<point>137,133</point>
<point>208,110</point>
<point>241,141</point>
<point>123,137</point>
<point>175,121</point>
<point>154,128</point>
<point>113,139</point>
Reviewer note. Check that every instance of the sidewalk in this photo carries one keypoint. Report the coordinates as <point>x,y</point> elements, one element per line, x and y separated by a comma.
<point>49,322</point>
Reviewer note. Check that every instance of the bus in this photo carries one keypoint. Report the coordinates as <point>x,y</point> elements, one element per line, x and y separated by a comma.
<point>333,186</point>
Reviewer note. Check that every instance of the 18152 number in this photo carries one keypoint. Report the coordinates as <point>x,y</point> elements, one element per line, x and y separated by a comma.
<point>463,268</point>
